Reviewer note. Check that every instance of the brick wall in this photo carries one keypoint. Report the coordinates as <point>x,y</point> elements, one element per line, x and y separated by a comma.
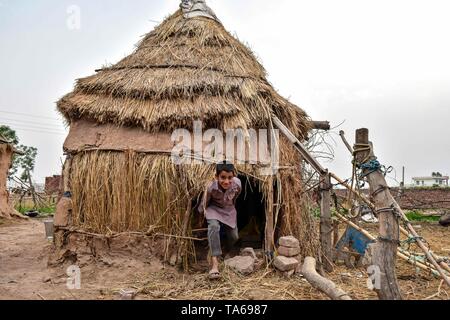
<point>411,199</point>
<point>52,184</point>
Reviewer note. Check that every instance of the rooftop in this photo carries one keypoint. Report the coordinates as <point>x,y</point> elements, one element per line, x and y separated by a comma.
<point>431,178</point>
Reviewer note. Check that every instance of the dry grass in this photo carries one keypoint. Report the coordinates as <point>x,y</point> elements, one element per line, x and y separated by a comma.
<point>271,285</point>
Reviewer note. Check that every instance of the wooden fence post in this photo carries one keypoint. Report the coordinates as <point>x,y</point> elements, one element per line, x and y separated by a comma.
<point>326,223</point>
<point>385,250</point>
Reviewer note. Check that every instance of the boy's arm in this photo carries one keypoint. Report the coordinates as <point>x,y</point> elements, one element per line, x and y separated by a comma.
<point>205,200</point>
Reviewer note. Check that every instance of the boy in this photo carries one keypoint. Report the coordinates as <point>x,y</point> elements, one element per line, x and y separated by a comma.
<point>219,207</point>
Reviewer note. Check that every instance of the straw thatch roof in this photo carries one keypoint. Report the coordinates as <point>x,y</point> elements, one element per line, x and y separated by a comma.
<point>183,70</point>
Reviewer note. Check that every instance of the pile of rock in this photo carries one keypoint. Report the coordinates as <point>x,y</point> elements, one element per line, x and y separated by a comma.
<point>288,260</point>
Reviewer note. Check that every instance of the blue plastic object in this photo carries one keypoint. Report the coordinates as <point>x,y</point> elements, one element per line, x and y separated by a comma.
<point>355,240</point>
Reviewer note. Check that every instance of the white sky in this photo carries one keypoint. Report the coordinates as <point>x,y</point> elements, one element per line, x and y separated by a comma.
<point>384,65</point>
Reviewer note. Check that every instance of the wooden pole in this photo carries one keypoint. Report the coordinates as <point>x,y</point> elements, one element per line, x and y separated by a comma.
<point>321,125</point>
<point>186,220</point>
<point>33,192</point>
<point>342,134</point>
<point>299,146</point>
<point>269,232</point>
<point>385,251</point>
<point>326,224</point>
<point>323,284</point>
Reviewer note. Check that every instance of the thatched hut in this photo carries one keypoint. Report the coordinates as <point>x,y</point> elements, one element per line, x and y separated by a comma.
<point>119,172</point>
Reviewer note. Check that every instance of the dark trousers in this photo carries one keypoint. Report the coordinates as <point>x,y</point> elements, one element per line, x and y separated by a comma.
<point>214,227</point>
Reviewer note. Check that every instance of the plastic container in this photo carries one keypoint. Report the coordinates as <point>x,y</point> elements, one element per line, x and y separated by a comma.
<point>49,231</point>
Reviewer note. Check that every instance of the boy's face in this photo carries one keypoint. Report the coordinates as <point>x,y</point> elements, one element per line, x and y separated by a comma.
<point>225,178</point>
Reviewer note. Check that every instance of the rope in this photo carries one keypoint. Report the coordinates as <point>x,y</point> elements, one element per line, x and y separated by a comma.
<point>389,240</point>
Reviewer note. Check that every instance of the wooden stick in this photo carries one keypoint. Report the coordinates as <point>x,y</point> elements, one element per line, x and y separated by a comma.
<point>299,146</point>
<point>430,256</point>
<point>321,125</point>
<point>323,284</point>
<point>342,134</point>
<point>139,234</point>
<point>186,220</point>
<point>326,229</point>
<point>269,232</point>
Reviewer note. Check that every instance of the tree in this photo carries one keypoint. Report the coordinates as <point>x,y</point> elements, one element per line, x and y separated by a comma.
<point>24,162</point>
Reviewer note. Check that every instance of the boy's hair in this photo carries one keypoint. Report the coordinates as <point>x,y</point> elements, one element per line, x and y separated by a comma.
<point>225,166</point>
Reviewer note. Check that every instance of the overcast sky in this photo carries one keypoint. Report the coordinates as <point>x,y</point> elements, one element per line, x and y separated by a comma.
<point>383,64</point>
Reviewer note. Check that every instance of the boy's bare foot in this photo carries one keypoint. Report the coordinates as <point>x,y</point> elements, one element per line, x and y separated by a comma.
<point>214,274</point>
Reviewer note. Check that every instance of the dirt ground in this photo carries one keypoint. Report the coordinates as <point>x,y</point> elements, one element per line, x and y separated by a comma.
<point>24,274</point>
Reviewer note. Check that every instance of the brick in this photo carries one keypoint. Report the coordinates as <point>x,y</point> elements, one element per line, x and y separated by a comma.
<point>285,264</point>
<point>289,242</point>
<point>288,252</point>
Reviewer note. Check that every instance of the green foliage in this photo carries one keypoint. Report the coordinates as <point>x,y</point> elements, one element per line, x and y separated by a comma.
<point>43,211</point>
<point>418,216</point>
<point>25,162</point>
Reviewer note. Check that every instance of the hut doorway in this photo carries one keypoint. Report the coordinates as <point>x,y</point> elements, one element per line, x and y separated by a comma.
<point>251,215</point>
<point>251,219</point>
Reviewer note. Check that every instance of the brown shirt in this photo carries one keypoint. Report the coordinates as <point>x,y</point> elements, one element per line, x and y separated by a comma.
<point>220,205</point>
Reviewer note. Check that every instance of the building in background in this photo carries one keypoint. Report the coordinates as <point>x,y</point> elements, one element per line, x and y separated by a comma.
<point>435,180</point>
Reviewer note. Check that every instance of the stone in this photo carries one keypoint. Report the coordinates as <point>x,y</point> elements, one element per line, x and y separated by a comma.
<point>249,252</point>
<point>106,261</point>
<point>127,294</point>
<point>285,264</point>
<point>242,265</point>
<point>289,242</point>
<point>445,220</point>
<point>288,252</point>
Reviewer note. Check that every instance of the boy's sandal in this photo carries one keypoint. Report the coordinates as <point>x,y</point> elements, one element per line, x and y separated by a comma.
<point>214,275</point>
